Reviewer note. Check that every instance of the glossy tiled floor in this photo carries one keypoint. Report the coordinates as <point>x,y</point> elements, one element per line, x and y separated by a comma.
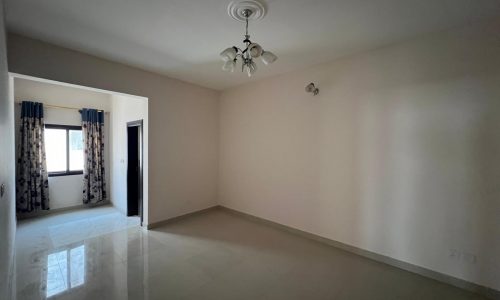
<point>100,254</point>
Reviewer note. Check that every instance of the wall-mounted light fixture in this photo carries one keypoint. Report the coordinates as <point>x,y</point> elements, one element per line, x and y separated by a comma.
<point>310,88</point>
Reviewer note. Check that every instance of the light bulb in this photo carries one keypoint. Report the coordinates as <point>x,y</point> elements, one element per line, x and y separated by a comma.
<point>255,50</point>
<point>251,68</point>
<point>229,54</point>
<point>229,65</point>
<point>268,57</point>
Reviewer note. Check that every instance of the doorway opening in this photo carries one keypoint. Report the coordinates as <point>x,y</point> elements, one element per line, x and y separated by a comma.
<point>62,103</point>
<point>134,169</point>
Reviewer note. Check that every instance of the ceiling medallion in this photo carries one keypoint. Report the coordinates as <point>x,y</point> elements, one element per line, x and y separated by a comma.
<point>236,10</point>
<point>244,11</point>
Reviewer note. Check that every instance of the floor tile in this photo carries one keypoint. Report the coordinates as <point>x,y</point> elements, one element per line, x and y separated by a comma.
<point>100,254</point>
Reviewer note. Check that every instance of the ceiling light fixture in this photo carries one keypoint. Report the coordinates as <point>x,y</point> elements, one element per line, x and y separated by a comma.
<point>244,11</point>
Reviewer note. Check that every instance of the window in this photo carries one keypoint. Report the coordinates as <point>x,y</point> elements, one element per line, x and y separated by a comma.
<point>64,150</point>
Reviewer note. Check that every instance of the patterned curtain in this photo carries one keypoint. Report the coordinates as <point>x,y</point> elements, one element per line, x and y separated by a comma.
<point>32,185</point>
<point>94,185</point>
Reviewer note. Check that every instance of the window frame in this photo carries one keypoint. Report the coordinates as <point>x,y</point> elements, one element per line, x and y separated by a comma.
<point>67,128</point>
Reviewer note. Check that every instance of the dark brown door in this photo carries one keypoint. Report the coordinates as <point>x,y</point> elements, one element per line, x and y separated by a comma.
<point>134,170</point>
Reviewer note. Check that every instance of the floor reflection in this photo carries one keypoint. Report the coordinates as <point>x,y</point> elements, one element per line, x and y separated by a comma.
<point>65,270</point>
<point>215,255</point>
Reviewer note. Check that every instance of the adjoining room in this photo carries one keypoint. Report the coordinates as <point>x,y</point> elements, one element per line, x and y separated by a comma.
<point>89,154</point>
<point>250,149</point>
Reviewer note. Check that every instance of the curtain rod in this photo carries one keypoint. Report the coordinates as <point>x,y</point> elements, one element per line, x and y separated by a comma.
<point>65,107</point>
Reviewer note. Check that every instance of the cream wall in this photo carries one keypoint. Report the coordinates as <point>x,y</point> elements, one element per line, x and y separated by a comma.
<point>183,121</point>
<point>7,201</point>
<point>65,191</point>
<point>126,109</point>
<point>399,153</point>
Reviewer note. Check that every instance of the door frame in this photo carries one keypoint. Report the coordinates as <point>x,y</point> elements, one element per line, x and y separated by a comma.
<point>139,124</point>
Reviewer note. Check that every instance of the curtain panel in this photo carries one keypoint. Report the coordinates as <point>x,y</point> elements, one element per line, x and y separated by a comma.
<point>32,185</point>
<point>94,184</point>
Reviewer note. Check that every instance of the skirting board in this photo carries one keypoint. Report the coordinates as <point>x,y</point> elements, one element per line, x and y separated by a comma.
<point>181,217</point>
<point>460,283</point>
<point>58,210</point>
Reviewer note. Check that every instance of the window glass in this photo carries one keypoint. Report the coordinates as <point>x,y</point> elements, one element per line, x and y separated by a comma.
<point>64,150</point>
<point>55,149</point>
<point>75,150</point>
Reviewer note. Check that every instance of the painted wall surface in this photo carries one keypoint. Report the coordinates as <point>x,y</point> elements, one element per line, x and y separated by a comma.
<point>183,121</point>
<point>126,109</point>
<point>399,153</point>
<point>65,191</point>
<point>7,173</point>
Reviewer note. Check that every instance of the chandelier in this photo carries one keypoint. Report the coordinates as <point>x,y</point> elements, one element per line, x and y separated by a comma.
<point>243,11</point>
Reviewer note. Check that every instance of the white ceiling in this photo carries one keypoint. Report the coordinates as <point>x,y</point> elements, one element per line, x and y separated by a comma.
<point>182,38</point>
